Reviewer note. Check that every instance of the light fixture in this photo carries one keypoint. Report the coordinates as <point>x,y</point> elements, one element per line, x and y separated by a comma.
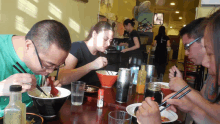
<point>180,17</point>
<point>177,12</point>
<point>172,3</point>
<point>184,25</point>
<point>171,27</point>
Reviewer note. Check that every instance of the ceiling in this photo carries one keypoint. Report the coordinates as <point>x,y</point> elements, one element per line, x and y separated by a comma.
<point>186,8</point>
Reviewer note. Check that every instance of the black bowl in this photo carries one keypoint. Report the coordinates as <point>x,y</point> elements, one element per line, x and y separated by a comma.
<point>49,107</point>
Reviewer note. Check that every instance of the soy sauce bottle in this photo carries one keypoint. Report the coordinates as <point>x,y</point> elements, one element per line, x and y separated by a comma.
<point>154,90</point>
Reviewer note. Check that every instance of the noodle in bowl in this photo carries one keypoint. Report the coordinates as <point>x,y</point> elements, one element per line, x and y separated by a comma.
<point>49,107</point>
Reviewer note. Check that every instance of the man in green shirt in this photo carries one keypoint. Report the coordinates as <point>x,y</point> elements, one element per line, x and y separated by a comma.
<point>43,49</point>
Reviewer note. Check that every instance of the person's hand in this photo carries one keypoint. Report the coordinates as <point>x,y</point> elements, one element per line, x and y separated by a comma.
<point>177,84</point>
<point>178,73</point>
<point>27,81</point>
<point>100,62</point>
<point>183,104</point>
<point>124,50</point>
<point>55,83</point>
<point>148,112</point>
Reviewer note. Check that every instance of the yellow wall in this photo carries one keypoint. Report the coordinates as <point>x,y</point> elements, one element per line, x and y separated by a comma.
<point>120,8</point>
<point>18,16</point>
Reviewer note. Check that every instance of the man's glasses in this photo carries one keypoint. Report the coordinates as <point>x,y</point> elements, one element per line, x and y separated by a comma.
<point>186,46</point>
<point>45,67</point>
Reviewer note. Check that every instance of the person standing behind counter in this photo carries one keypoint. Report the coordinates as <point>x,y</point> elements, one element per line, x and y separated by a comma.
<point>83,61</point>
<point>35,53</point>
<point>133,44</point>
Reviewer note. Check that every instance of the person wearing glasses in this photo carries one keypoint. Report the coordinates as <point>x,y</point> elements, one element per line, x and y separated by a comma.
<point>84,57</point>
<point>201,110</point>
<point>207,107</point>
<point>43,49</point>
<point>192,35</point>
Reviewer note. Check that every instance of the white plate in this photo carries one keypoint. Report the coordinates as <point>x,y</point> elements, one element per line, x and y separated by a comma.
<point>172,116</point>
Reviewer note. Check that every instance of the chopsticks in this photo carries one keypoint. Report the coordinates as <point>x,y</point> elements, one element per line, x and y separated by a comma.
<point>175,72</point>
<point>26,72</point>
<point>174,95</point>
<point>177,98</point>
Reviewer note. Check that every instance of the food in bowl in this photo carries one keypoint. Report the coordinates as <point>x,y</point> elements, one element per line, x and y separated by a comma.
<point>91,89</point>
<point>163,119</point>
<point>49,95</point>
<point>49,107</point>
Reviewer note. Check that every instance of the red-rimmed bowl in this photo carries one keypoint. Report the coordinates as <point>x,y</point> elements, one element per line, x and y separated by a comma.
<point>107,79</point>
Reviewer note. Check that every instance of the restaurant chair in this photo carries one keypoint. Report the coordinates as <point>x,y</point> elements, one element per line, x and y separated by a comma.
<point>193,74</point>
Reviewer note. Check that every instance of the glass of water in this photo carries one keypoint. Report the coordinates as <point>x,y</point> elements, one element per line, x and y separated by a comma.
<point>77,92</point>
<point>119,117</point>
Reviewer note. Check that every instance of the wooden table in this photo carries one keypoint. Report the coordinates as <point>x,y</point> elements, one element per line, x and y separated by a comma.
<point>88,112</point>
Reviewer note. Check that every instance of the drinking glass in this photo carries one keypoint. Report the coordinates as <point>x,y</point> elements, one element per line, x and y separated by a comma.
<point>119,117</point>
<point>77,92</point>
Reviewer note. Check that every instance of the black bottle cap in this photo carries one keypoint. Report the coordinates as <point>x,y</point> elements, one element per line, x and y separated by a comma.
<point>15,88</point>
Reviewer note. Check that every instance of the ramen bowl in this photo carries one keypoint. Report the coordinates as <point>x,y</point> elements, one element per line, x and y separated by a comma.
<point>49,107</point>
<point>107,79</point>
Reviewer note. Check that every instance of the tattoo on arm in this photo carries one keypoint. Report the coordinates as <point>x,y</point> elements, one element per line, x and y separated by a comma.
<point>210,92</point>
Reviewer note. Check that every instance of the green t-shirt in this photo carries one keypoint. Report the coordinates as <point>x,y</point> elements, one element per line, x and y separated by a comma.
<point>8,58</point>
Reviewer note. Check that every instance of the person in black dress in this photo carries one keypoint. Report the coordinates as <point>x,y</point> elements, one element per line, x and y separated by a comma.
<point>84,57</point>
<point>161,42</point>
<point>133,43</point>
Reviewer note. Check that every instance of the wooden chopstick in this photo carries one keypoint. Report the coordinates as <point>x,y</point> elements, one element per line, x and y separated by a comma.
<point>175,95</point>
<point>177,98</point>
<point>26,72</point>
<point>57,74</point>
<point>21,67</point>
<point>17,69</point>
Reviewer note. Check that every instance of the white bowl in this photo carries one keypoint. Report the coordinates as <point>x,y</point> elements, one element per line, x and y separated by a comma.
<point>172,116</point>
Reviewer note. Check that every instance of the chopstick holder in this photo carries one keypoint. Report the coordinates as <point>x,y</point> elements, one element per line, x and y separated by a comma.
<point>177,98</point>
<point>175,95</point>
<point>26,72</point>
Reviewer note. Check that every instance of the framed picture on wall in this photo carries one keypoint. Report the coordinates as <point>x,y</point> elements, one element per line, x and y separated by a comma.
<point>158,18</point>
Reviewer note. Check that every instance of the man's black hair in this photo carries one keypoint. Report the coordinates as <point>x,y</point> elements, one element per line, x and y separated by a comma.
<point>47,32</point>
<point>194,29</point>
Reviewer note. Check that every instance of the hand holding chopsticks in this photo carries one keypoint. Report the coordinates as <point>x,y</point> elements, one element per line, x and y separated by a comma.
<point>26,72</point>
<point>177,98</point>
<point>175,95</point>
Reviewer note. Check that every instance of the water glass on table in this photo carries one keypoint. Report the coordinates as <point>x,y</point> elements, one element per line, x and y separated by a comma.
<point>77,92</point>
<point>119,117</point>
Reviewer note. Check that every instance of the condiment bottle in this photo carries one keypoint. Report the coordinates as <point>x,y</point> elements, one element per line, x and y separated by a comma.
<point>15,112</point>
<point>100,98</point>
<point>141,80</point>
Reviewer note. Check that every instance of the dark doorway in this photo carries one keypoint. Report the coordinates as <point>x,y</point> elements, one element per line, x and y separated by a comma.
<point>175,41</point>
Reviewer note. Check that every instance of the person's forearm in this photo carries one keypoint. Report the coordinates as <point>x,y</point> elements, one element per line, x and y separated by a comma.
<point>66,76</point>
<point>132,48</point>
<point>210,108</point>
<point>201,117</point>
